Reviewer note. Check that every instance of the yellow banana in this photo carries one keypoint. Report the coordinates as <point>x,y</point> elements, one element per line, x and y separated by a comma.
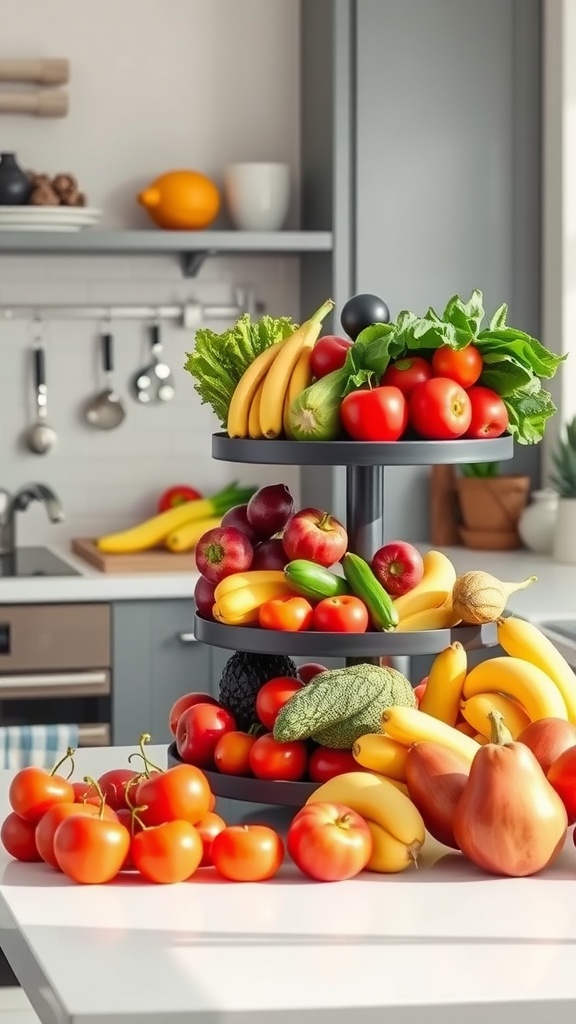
<point>521,639</point>
<point>428,618</point>
<point>300,379</point>
<point>241,607</point>
<point>389,855</point>
<point>254,430</point>
<point>410,725</point>
<point>443,691</point>
<point>378,800</point>
<point>381,754</point>
<point>253,577</point>
<point>186,537</point>
<point>278,375</point>
<point>154,531</point>
<point>476,710</point>
<point>239,410</point>
<point>525,683</point>
<point>434,587</point>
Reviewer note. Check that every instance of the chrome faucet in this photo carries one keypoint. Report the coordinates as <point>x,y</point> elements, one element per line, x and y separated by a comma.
<point>10,504</point>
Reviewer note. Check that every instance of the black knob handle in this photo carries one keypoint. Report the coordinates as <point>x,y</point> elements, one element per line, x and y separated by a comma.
<point>107,353</point>
<point>39,367</point>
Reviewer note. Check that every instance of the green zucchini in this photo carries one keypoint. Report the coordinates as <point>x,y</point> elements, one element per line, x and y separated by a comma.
<point>365,586</point>
<point>311,580</point>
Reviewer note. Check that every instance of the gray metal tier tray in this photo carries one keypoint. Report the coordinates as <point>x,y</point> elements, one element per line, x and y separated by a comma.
<point>341,645</point>
<point>255,791</point>
<point>360,453</point>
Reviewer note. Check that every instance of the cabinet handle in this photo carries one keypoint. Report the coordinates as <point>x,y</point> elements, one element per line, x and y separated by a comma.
<point>187,638</point>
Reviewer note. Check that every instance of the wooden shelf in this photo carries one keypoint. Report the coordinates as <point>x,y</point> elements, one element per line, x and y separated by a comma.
<point>191,247</point>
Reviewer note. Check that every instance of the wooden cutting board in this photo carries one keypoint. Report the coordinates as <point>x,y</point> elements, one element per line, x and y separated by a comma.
<point>156,560</point>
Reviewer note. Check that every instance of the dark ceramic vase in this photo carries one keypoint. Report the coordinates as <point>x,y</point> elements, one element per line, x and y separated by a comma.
<point>15,185</point>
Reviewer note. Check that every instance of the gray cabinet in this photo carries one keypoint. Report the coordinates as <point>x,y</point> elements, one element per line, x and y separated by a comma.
<point>154,662</point>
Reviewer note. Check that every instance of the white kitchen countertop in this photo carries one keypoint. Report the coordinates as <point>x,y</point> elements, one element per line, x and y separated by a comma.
<point>440,945</point>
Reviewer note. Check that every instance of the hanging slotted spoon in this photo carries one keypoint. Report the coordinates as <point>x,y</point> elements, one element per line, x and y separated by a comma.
<point>40,437</point>
<point>105,410</point>
<point>154,382</point>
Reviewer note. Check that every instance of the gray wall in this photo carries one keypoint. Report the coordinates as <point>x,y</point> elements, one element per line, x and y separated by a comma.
<point>443,144</point>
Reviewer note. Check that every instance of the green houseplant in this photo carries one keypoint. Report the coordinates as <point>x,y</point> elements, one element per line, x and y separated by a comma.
<point>563,480</point>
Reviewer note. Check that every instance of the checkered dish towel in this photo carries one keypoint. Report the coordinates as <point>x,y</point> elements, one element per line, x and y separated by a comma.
<point>39,745</point>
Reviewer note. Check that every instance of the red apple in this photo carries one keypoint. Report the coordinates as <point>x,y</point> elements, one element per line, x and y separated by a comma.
<point>270,509</point>
<point>315,535</point>
<point>398,566</point>
<point>204,597</point>
<point>223,551</point>
<point>198,731</point>
<point>188,700</point>
<point>269,554</point>
<point>309,670</point>
<point>237,517</point>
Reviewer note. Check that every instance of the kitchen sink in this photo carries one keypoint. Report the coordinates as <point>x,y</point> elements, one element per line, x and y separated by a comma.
<point>32,561</point>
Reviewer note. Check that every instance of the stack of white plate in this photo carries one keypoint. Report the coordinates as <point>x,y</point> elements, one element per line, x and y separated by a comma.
<point>47,218</point>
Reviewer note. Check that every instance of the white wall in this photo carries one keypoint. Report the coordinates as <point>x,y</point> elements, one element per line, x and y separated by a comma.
<point>196,83</point>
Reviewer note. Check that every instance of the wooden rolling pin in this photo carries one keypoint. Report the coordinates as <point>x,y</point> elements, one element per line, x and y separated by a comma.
<point>39,72</point>
<point>53,103</point>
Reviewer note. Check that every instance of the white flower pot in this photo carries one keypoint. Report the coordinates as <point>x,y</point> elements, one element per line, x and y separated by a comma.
<point>537,524</point>
<point>565,537</point>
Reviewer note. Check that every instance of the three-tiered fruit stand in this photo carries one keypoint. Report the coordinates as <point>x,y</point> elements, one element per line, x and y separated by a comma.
<point>364,463</point>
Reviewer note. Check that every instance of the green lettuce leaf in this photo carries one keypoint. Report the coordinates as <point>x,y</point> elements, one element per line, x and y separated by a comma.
<point>518,345</point>
<point>529,408</point>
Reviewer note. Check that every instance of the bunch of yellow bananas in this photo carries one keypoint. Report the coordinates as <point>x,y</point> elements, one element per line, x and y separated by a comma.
<point>277,376</point>
<point>239,597</point>
<point>429,604</point>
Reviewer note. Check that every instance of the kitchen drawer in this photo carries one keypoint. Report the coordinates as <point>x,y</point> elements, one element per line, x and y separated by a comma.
<point>54,637</point>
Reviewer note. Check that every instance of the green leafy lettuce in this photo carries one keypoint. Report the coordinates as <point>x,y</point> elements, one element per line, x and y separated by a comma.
<point>219,360</point>
<point>514,363</point>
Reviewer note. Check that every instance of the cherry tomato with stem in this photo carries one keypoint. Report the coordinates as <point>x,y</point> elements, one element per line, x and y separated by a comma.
<point>167,853</point>
<point>208,828</point>
<point>344,614</point>
<point>232,752</point>
<point>180,793</point>
<point>89,848</point>
<point>287,614</point>
<point>247,853</point>
<point>34,790</point>
<point>375,414</point>
<point>84,794</point>
<point>114,785</point>
<point>18,837</point>
<point>489,414</point>
<point>270,759</point>
<point>273,696</point>
<point>440,409</point>
<point>49,822</point>
<point>406,373</point>
<point>463,365</point>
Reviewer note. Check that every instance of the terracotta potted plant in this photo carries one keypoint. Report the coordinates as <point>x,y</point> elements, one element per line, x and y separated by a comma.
<point>564,483</point>
<point>490,506</point>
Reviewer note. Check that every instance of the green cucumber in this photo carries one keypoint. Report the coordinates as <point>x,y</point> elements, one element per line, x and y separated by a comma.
<point>365,586</point>
<point>311,580</point>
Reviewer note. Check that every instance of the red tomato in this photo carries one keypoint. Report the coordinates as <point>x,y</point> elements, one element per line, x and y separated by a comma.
<point>208,828</point>
<point>167,853</point>
<point>232,753</point>
<point>406,373</point>
<point>49,822</point>
<point>310,669</point>
<point>247,853</point>
<point>329,842</point>
<point>325,763</point>
<point>489,414</point>
<point>562,776</point>
<point>378,414</point>
<point>288,614</point>
<point>18,837</point>
<point>177,495</point>
<point>188,700</point>
<point>198,731</point>
<point>329,354</point>
<point>345,614</point>
<point>134,825</point>
<point>115,784</point>
<point>89,849</point>
<point>34,790</point>
<point>440,409</point>
<point>464,366</point>
<point>273,696</point>
<point>84,793</point>
<point>270,759</point>
<point>180,793</point>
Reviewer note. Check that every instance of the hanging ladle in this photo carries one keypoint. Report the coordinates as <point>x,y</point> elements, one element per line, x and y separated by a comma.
<point>105,410</point>
<point>154,382</point>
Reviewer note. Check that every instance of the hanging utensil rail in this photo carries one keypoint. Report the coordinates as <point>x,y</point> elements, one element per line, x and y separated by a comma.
<point>187,314</point>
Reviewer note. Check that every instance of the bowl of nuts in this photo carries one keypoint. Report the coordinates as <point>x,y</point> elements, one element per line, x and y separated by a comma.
<point>55,203</point>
